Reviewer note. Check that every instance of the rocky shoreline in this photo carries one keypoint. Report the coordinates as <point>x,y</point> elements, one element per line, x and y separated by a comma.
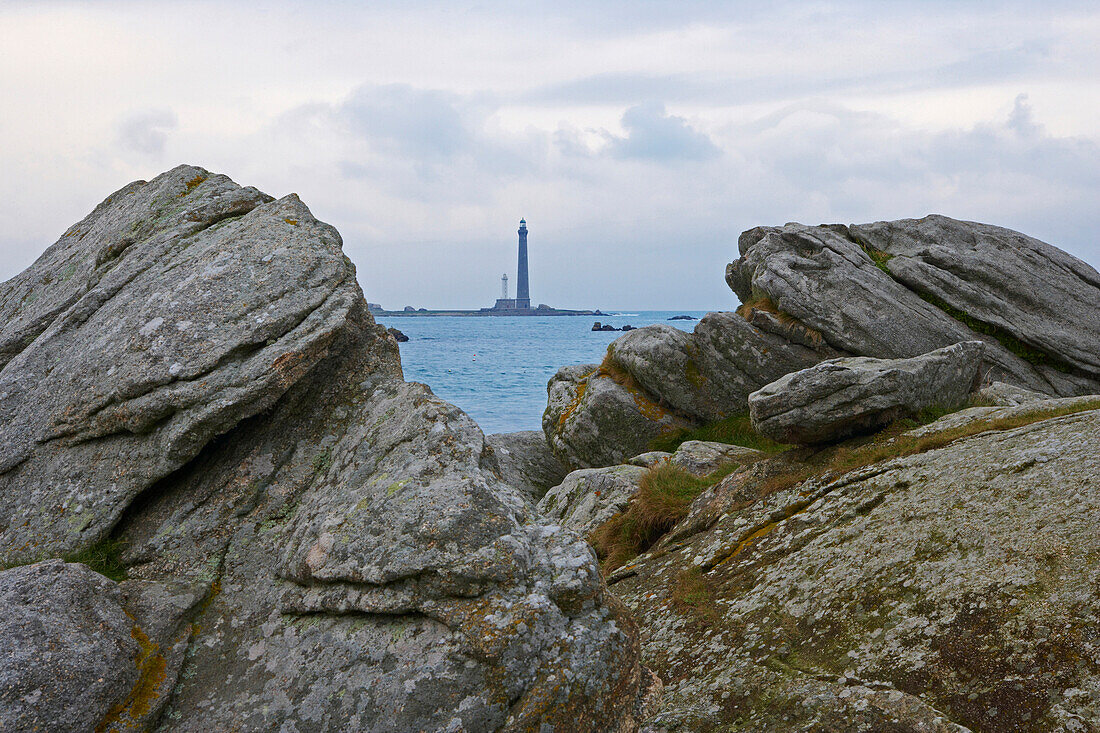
<point>865,501</point>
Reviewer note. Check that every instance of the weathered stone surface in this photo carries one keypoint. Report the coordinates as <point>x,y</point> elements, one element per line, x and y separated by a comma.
<point>701,457</point>
<point>842,397</point>
<point>589,497</point>
<point>177,308</point>
<point>951,590</point>
<point>66,650</point>
<point>826,278</point>
<point>339,543</point>
<point>649,459</point>
<point>526,461</point>
<point>1037,293</point>
<point>1008,395</point>
<point>81,652</point>
<point>593,420</point>
<point>970,415</point>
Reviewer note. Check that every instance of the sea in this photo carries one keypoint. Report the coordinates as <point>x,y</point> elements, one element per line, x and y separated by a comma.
<point>496,368</point>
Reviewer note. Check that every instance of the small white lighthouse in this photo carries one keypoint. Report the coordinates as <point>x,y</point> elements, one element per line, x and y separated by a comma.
<point>504,286</point>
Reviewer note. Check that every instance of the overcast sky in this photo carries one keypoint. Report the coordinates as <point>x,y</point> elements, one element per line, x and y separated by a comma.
<point>637,138</point>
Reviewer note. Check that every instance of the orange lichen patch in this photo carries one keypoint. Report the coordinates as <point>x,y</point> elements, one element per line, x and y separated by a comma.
<point>287,367</point>
<point>567,413</point>
<point>151,665</point>
<point>649,409</point>
<point>292,222</point>
<point>193,184</point>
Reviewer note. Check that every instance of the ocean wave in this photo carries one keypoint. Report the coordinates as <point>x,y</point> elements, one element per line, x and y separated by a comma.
<point>631,315</point>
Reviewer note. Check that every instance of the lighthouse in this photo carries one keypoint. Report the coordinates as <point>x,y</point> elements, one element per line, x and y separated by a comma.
<point>523,291</point>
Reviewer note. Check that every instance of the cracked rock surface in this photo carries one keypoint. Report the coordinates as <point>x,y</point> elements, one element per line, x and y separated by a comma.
<point>893,290</point>
<point>955,589</point>
<point>841,397</point>
<point>311,542</point>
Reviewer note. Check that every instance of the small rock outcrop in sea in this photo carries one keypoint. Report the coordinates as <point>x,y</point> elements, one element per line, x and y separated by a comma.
<point>682,318</point>
<point>856,394</point>
<point>398,336</point>
<point>888,290</point>
<point>194,388</point>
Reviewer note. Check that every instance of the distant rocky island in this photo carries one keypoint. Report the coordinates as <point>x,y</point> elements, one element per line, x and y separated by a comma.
<point>865,501</point>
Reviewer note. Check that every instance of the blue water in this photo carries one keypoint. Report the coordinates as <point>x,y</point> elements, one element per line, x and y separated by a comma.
<point>496,368</point>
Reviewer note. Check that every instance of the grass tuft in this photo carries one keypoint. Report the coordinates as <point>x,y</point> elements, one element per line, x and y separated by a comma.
<point>104,557</point>
<point>1025,351</point>
<point>664,497</point>
<point>693,595</point>
<point>877,256</point>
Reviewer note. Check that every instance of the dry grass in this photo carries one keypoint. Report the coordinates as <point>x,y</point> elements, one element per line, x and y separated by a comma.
<point>693,595</point>
<point>664,497</point>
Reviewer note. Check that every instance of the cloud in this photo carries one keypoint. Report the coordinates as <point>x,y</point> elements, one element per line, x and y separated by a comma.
<point>638,139</point>
<point>146,132</point>
<point>403,119</point>
<point>653,134</point>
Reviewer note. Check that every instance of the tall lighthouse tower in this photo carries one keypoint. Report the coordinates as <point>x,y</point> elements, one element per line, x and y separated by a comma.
<point>523,291</point>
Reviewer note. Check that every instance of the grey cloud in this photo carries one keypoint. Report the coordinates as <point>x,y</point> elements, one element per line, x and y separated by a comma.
<point>633,87</point>
<point>404,119</point>
<point>147,131</point>
<point>654,134</point>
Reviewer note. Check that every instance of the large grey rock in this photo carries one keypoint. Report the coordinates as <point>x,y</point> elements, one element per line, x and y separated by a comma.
<point>840,397</point>
<point>66,649</point>
<point>708,374</point>
<point>589,497</point>
<point>826,278</point>
<point>81,652</point>
<point>359,562</point>
<point>1037,293</point>
<point>173,311</point>
<point>591,419</point>
<point>1007,395</point>
<point>950,590</point>
<point>526,461</point>
<point>658,379</point>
